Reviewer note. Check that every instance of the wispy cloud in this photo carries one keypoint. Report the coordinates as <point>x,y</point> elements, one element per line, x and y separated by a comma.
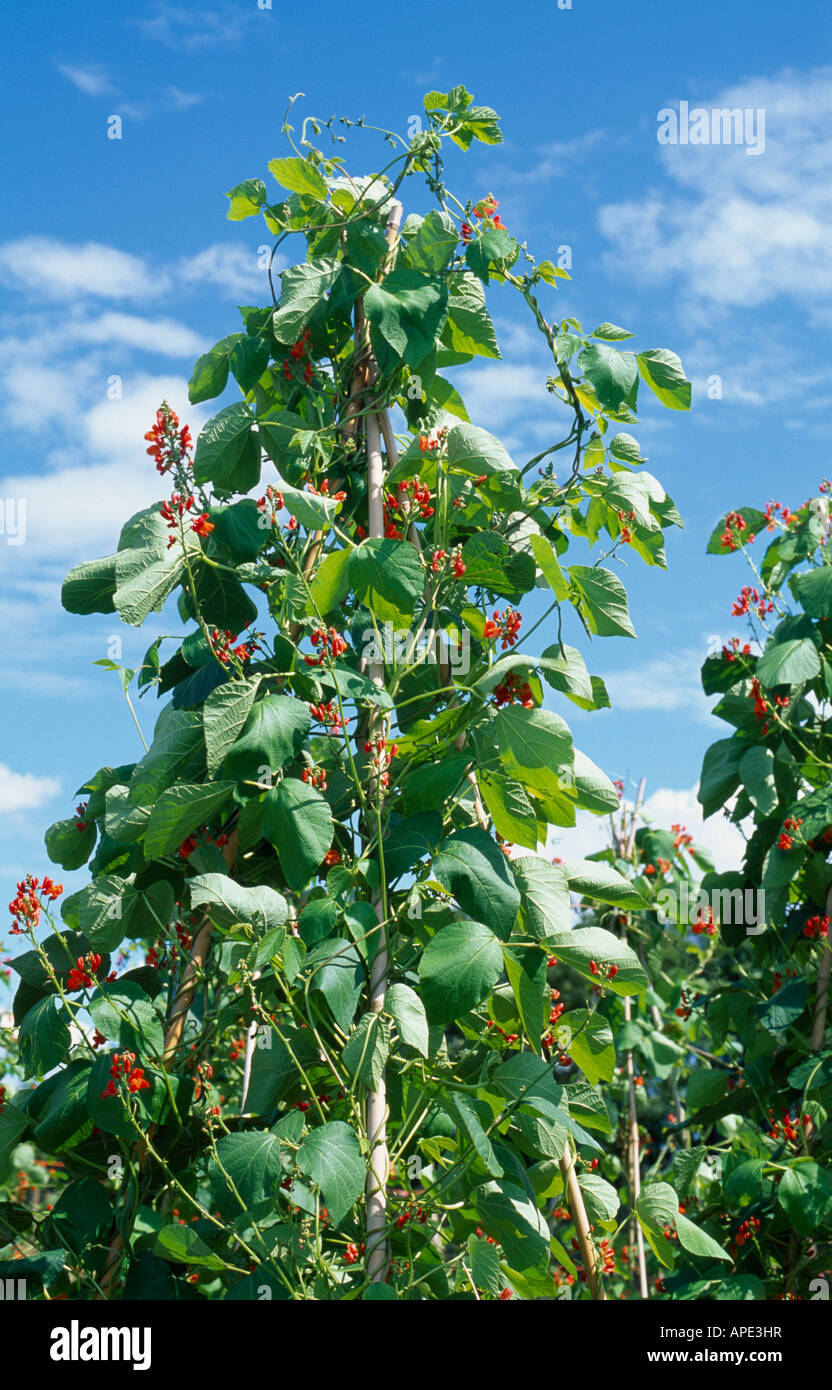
<point>22,791</point>
<point>737,232</point>
<point>57,269</point>
<point>182,29</point>
<point>89,78</point>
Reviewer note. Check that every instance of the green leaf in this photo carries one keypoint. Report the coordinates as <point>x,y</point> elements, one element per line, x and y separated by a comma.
<point>458,968</point>
<point>388,576</point>
<point>67,845</point>
<point>247,198</point>
<point>509,1215</point>
<point>805,1195</point>
<point>89,587</point>
<point>147,569</point>
<point>603,601</point>
<point>612,374</point>
<point>274,734</point>
<point>366,1051</point>
<point>698,1242</point>
<point>408,1013</point>
<point>610,332</point>
<point>590,1044</point>
<point>303,288</point>
<point>535,746</point>
<point>580,947</point>
<point>228,452</point>
<point>460,1110</point>
<point>44,1037</point>
<point>297,821</point>
<point>299,176</point>
<point>336,969</point>
<point>331,583</point>
<point>600,1197</point>
<point>228,903</point>
<point>180,811</point>
<point>526,973</point>
<point>406,312</point>
<point>488,252</point>
<point>720,774</point>
<point>783,1008</point>
<point>549,565</point>
<point>757,775</point>
<point>122,1011</point>
<point>544,893</point>
<point>484,1262</point>
<point>224,716</point>
<point>474,451</point>
<point>662,371</point>
<point>13,1125</point>
<point>239,529</point>
<point>252,1162</point>
<point>175,755</point>
<point>434,243</point>
<point>814,590</point>
<point>330,1157</point>
<point>469,328</point>
<point>210,374</point>
<point>471,865</point>
<point>182,1244</point>
<point>595,879</point>
<point>788,663</point>
<point>657,1207</point>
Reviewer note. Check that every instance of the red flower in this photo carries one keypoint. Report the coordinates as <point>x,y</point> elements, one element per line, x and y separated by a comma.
<point>202,525</point>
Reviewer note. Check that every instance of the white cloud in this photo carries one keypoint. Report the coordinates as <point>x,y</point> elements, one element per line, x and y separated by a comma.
<point>740,230</point>
<point>665,807</point>
<point>89,78</point>
<point>59,270</point>
<point>229,266</point>
<point>164,336</point>
<point>22,791</point>
<point>178,28</point>
<point>658,684</point>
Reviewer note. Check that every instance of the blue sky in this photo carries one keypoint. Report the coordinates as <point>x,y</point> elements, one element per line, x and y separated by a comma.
<point>116,261</point>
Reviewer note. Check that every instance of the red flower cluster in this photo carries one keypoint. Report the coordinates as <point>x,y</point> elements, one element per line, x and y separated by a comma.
<point>80,812</point>
<point>382,756</point>
<point>330,643</point>
<point>817,926</point>
<point>683,839</point>
<point>123,1066</point>
<point>625,533</point>
<point>512,688</point>
<point>604,972</point>
<point>732,535</point>
<point>297,352</point>
<point>82,975</point>
<point>419,1214</point>
<point>326,714</point>
<point>175,509</point>
<point>505,627</point>
<point>761,708</point>
<point>169,446</point>
<point>485,211</point>
<point>705,924</point>
<point>733,651</point>
<point>788,1127</point>
<point>314,777</point>
<point>786,839</point>
<point>607,1254</point>
<point>786,516</point>
<point>427,442</point>
<point>26,906</point>
<point>749,598</point>
<point>224,650</point>
<point>438,558</point>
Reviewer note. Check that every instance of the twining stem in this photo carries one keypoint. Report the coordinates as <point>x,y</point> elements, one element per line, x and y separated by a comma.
<point>580,1220</point>
<point>375,1105</point>
<point>626,849</point>
<point>173,1037</point>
